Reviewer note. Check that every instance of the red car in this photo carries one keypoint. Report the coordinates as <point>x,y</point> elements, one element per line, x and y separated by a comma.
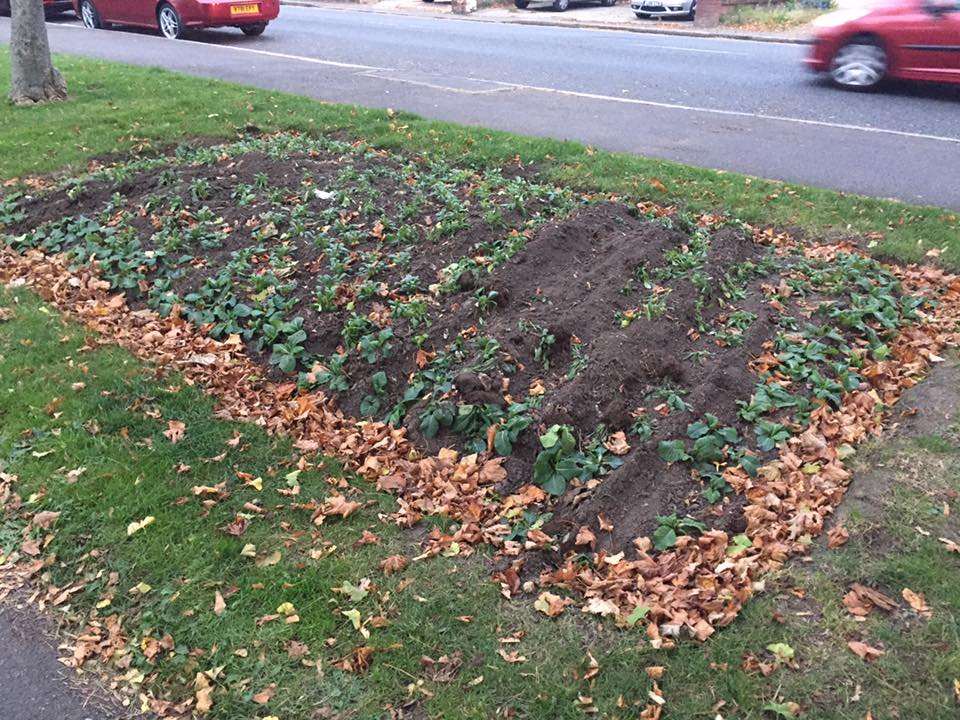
<point>174,17</point>
<point>907,39</point>
<point>50,7</point>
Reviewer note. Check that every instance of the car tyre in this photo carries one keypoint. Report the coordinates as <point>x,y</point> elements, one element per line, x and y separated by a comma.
<point>89,15</point>
<point>608,3</point>
<point>561,5</point>
<point>4,8</point>
<point>860,64</point>
<point>692,15</point>
<point>521,4</point>
<point>170,22</point>
<point>255,29</point>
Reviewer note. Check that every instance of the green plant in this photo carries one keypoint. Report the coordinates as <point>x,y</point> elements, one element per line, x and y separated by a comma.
<point>556,463</point>
<point>376,345</point>
<point>770,434</point>
<point>370,405</point>
<point>286,354</point>
<point>670,527</point>
<point>544,341</point>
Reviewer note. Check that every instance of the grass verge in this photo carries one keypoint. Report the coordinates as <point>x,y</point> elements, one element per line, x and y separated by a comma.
<point>67,407</point>
<point>109,112</point>
<point>772,17</point>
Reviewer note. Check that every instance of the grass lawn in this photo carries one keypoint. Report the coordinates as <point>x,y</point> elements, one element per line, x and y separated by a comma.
<point>66,408</point>
<point>108,112</point>
<point>274,620</point>
<point>772,17</point>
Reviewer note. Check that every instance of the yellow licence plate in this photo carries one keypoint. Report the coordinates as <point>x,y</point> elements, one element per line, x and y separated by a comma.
<point>244,9</point>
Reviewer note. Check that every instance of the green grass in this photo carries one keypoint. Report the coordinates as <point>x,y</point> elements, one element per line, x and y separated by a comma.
<point>113,427</point>
<point>771,17</point>
<point>114,108</point>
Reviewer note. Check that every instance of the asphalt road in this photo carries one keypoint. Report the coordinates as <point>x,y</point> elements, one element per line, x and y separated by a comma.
<point>727,104</point>
<point>35,686</point>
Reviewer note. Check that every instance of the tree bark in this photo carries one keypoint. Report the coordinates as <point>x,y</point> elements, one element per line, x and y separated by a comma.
<point>33,78</point>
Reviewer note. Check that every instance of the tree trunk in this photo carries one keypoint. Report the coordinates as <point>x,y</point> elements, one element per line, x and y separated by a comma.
<point>33,78</point>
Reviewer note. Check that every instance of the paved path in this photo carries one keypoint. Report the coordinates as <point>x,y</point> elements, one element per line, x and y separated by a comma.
<point>727,104</point>
<point>33,683</point>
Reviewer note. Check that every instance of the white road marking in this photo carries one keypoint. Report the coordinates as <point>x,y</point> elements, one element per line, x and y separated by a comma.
<point>435,86</point>
<point>269,53</point>
<point>728,113</point>
<point>585,95</point>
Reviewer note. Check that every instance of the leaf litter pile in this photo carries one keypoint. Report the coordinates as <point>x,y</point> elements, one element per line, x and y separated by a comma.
<point>640,410</point>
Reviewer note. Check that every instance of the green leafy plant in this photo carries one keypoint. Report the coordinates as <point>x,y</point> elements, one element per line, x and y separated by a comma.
<point>670,527</point>
<point>370,405</point>
<point>556,463</point>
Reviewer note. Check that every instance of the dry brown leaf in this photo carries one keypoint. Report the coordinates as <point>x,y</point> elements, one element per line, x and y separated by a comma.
<point>837,536</point>
<point>175,430</point>
<point>864,651</point>
<point>617,443</point>
<point>917,602</point>
<point>393,564</point>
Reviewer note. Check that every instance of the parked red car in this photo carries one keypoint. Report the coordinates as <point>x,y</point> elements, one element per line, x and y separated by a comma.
<point>908,39</point>
<point>174,17</point>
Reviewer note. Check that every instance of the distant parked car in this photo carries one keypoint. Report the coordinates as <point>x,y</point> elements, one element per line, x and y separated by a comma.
<point>174,17</point>
<point>906,39</point>
<point>560,5</point>
<point>50,7</point>
<point>686,9</point>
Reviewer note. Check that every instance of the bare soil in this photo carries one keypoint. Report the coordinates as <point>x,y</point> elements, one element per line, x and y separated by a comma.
<point>590,315</point>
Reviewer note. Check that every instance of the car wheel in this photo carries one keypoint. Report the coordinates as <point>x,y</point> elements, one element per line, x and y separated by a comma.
<point>254,30</point>
<point>608,3</point>
<point>171,26</point>
<point>4,8</point>
<point>522,4</point>
<point>859,65</point>
<point>561,5</point>
<point>692,15</point>
<point>89,15</point>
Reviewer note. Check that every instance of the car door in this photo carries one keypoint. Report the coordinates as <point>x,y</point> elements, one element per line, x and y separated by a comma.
<point>928,40</point>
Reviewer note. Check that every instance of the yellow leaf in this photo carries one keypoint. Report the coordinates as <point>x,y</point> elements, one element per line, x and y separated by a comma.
<point>136,527</point>
<point>271,559</point>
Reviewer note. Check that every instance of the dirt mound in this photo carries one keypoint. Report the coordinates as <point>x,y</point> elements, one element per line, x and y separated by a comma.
<point>622,361</point>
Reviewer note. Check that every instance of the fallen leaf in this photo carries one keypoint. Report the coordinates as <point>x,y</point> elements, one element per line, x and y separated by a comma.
<point>219,604</point>
<point>512,657</point>
<point>265,695</point>
<point>917,602</point>
<point>45,519</point>
<point>837,536</point>
<point>175,430</point>
<point>268,560</point>
<point>139,525</point>
<point>551,605</point>
<point>617,443</point>
<point>864,651</point>
<point>393,564</point>
<point>204,693</point>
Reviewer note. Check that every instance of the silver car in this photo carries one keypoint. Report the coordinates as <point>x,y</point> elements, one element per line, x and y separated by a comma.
<point>664,8</point>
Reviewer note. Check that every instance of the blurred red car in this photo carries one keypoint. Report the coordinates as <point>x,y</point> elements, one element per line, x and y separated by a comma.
<point>908,39</point>
<point>51,7</point>
<point>174,17</point>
